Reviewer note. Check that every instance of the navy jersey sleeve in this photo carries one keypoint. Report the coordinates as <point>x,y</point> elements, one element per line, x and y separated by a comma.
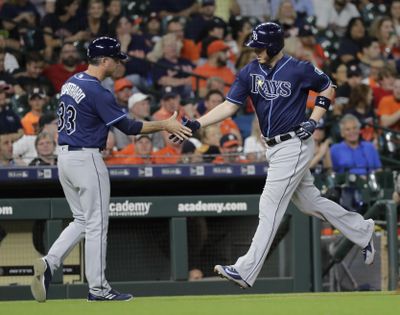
<point>313,78</point>
<point>239,90</point>
<point>108,109</point>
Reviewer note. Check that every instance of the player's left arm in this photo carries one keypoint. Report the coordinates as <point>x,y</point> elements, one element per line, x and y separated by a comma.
<point>314,79</point>
<point>322,103</point>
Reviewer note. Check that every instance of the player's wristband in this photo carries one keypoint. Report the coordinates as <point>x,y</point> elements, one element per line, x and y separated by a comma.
<point>323,102</point>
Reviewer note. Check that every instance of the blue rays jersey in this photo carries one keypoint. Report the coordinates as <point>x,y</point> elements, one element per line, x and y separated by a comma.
<point>86,112</point>
<point>279,94</point>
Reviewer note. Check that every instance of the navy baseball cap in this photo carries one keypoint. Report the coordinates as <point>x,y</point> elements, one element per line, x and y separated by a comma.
<point>353,70</point>
<point>168,92</point>
<point>105,47</point>
<point>36,91</point>
<point>267,35</point>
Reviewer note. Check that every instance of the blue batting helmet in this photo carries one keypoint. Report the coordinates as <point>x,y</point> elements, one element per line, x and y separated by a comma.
<point>269,36</point>
<point>105,47</point>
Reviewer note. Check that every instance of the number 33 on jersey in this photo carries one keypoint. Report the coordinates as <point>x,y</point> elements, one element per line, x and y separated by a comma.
<point>83,122</point>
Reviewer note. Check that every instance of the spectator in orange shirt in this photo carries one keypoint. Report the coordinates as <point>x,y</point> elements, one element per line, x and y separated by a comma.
<point>216,66</point>
<point>169,103</point>
<point>36,101</point>
<point>215,29</point>
<point>389,108</point>
<point>229,146</point>
<point>123,91</point>
<point>170,154</point>
<point>140,151</point>
<point>212,100</point>
<point>386,77</point>
<point>189,49</point>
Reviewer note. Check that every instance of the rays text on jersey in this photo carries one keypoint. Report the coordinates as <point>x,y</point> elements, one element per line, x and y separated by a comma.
<point>269,89</point>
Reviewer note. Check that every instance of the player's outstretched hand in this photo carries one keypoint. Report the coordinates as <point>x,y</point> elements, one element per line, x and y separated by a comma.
<point>179,131</point>
<point>194,125</point>
<point>306,129</point>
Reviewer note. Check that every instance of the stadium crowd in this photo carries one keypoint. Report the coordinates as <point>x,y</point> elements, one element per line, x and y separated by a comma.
<point>183,57</point>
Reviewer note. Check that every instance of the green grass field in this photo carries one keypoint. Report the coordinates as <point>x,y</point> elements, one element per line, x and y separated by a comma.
<point>356,303</point>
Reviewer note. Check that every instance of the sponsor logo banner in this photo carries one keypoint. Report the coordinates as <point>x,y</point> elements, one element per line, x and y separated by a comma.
<point>217,207</point>
<point>129,209</point>
<point>6,210</point>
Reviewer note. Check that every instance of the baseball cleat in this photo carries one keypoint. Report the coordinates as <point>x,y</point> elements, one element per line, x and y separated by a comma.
<point>369,253</point>
<point>230,273</point>
<point>112,295</point>
<point>41,279</point>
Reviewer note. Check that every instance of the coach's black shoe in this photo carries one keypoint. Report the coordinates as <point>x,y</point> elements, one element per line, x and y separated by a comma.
<point>230,273</point>
<point>41,279</point>
<point>112,295</point>
<point>369,253</point>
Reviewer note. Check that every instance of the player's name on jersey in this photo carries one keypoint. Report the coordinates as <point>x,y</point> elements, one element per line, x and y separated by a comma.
<point>74,91</point>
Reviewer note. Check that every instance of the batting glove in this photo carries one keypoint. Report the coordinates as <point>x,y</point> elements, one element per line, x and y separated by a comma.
<point>194,125</point>
<point>306,129</point>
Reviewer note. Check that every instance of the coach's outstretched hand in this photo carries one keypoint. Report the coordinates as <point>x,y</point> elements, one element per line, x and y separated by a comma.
<point>178,131</point>
<point>194,125</point>
<point>306,129</point>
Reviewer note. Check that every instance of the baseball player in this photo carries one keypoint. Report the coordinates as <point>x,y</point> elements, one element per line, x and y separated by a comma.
<point>86,112</point>
<point>278,86</point>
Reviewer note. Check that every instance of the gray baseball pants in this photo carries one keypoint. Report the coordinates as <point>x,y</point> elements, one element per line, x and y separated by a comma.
<point>86,184</point>
<point>289,179</point>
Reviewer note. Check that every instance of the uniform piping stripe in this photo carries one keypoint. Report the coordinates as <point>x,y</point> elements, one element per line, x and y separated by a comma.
<point>326,86</point>
<point>272,101</point>
<point>83,79</point>
<point>101,215</point>
<point>115,120</point>
<point>273,222</point>
<point>233,101</point>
